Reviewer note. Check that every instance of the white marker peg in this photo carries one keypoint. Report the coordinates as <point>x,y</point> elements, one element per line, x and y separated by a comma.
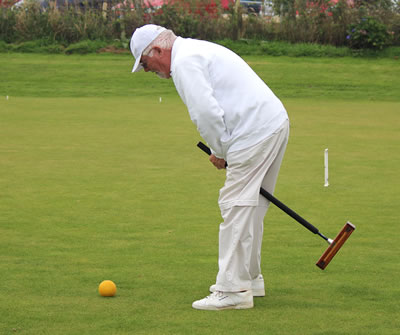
<point>326,168</point>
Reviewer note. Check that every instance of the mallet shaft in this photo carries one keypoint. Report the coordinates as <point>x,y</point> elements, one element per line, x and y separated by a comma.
<point>278,203</point>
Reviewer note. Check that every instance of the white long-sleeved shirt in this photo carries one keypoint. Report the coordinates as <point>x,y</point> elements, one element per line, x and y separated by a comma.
<point>232,108</point>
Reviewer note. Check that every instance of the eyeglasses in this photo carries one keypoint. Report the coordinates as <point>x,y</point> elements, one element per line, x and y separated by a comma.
<point>146,53</point>
<point>143,64</point>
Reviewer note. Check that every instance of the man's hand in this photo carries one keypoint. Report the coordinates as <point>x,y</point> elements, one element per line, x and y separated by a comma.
<point>219,163</point>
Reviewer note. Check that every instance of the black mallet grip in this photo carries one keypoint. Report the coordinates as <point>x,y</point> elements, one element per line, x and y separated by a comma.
<point>205,148</point>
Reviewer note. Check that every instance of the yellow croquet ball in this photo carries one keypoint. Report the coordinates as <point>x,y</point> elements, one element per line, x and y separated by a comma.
<point>107,288</point>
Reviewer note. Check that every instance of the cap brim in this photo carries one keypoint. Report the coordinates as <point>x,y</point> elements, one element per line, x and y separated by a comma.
<point>137,67</point>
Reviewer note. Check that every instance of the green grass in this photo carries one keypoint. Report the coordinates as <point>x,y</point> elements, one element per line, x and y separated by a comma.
<point>99,180</point>
<point>244,47</point>
<point>109,76</point>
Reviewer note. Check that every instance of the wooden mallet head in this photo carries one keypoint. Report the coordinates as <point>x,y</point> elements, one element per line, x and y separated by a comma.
<point>334,247</point>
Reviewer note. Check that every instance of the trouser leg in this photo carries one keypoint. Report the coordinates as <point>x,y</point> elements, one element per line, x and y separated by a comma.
<point>243,211</point>
<point>268,184</point>
<point>236,240</point>
<point>258,230</point>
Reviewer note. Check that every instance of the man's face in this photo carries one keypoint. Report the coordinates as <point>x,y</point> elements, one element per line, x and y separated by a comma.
<point>159,61</point>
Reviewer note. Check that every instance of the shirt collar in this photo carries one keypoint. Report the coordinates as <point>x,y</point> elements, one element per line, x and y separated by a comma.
<point>175,48</point>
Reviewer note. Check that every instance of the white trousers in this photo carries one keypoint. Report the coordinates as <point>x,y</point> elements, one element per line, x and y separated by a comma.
<point>243,210</point>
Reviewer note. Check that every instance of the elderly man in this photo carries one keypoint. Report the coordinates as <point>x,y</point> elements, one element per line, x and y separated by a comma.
<point>246,125</point>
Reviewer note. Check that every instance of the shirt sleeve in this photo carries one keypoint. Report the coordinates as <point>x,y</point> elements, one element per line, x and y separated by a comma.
<point>193,83</point>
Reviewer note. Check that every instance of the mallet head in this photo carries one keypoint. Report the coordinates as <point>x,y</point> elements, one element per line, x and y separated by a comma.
<point>335,245</point>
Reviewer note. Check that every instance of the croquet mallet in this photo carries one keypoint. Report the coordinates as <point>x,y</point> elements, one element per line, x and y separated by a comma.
<point>334,245</point>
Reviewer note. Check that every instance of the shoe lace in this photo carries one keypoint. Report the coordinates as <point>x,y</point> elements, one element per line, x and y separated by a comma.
<point>216,294</point>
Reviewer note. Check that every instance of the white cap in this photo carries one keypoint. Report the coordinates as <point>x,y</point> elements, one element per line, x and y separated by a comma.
<point>141,39</point>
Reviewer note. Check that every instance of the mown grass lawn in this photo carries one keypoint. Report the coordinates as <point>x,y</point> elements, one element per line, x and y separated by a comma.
<point>100,180</point>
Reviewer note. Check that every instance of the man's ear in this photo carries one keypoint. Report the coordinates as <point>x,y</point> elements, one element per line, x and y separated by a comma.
<point>157,49</point>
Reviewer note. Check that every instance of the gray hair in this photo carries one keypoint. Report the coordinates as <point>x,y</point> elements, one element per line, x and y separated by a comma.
<point>164,41</point>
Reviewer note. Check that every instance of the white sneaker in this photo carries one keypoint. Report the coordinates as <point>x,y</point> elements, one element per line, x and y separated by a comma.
<point>225,300</point>
<point>257,286</point>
